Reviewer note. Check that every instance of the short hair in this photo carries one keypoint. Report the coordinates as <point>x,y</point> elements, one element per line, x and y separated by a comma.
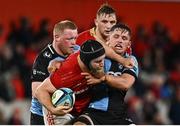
<point>105,9</point>
<point>121,26</point>
<point>62,25</point>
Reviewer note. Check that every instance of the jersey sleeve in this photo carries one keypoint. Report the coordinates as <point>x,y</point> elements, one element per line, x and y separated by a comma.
<point>39,69</point>
<point>107,65</point>
<point>76,48</point>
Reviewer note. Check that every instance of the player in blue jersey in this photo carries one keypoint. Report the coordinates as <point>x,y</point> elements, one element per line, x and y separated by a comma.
<point>107,106</point>
<point>64,37</point>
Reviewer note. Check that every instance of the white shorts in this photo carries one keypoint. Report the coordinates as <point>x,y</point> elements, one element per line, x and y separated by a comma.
<point>50,119</point>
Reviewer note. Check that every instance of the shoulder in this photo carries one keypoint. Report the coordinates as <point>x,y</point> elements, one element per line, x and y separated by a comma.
<point>107,64</point>
<point>87,32</point>
<point>76,48</point>
<point>73,56</point>
<point>46,55</point>
<point>86,35</point>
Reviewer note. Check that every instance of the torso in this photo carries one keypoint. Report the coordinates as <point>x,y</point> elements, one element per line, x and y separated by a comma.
<point>112,98</point>
<point>69,75</point>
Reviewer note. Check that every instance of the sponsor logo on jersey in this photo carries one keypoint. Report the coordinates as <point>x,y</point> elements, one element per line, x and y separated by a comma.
<point>47,54</point>
<point>81,91</point>
<point>38,72</point>
<point>120,66</point>
<point>114,73</point>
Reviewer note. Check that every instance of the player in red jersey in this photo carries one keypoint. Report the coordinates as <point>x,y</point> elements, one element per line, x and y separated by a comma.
<point>89,59</point>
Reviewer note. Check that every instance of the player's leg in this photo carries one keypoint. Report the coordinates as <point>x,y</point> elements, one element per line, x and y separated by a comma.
<point>83,119</point>
<point>36,119</point>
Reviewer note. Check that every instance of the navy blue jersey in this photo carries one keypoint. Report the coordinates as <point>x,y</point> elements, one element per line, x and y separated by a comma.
<point>107,98</point>
<point>39,69</point>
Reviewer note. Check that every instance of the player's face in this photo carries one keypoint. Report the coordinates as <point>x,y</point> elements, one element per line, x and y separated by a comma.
<point>104,23</point>
<point>120,40</point>
<point>97,66</point>
<point>66,41</point>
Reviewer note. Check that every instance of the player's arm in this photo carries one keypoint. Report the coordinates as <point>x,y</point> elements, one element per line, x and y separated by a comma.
<point>34,87</point>
<point>43,94</point>
<point>38,73</point>
<point>54,65</point>
<point>127,62</point>
<point>123,82</point>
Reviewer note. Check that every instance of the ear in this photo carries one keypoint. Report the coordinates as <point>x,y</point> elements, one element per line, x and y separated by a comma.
<point>96,21</point>
<point>56,36</point>
<point>129,45</point>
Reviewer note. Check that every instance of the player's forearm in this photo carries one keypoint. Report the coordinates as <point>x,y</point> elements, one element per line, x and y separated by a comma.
<point>43,94</point>
<point>119,82</point>
<point>44,98</point>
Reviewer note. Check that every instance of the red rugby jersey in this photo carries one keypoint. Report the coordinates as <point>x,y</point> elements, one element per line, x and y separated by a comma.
<point>84,36</point>
<point>69,75</point>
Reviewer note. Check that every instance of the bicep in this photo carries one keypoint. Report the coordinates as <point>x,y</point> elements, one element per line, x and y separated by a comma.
<point>46,85</point>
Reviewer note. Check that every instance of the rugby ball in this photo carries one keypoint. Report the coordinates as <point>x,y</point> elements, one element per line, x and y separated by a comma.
<point>63,96</point>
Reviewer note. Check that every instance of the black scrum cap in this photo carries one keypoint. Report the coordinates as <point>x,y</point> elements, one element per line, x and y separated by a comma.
<point>90,50</point>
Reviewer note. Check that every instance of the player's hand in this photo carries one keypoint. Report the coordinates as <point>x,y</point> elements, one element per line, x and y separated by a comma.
<point>53,66</point>
<point>91,80</point>
<point>128,62</point>
<point>61,110</point>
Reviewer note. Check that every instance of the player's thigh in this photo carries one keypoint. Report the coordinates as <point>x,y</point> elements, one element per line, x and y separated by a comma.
<point>83,119</point>
<point>36,119</point>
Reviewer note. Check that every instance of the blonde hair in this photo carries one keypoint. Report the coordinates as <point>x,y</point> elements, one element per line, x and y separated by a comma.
<point>62,25</point>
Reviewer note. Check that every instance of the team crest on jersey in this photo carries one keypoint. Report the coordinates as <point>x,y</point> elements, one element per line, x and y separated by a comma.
<point>34,71</point>
<point>120,67</point>
<point>47,54</point>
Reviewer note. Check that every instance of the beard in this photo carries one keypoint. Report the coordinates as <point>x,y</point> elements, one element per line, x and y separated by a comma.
<point>98,73</point>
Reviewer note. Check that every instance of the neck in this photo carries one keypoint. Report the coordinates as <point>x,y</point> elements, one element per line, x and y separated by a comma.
<point>99,37</point>
<point>81,65</point>
<point>57,49</point>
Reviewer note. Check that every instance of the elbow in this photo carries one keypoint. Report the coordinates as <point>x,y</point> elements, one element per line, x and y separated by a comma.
<point>123,87</point>
<point>126,82</point>
<point>127,86</point>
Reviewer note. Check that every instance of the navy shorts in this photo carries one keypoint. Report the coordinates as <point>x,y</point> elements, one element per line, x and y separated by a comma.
<point>97,117</point>
<point>36,119</point>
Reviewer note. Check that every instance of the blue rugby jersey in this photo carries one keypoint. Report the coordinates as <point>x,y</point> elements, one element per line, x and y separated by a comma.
<point>109,98</point>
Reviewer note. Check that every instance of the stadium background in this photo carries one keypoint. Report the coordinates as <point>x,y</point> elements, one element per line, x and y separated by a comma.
<point>26,27</point>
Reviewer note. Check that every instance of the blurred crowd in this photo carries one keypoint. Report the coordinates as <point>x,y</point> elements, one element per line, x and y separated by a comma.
<point>154,98</point>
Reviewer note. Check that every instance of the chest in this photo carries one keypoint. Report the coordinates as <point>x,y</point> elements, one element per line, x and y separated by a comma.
<point>115,69</point>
